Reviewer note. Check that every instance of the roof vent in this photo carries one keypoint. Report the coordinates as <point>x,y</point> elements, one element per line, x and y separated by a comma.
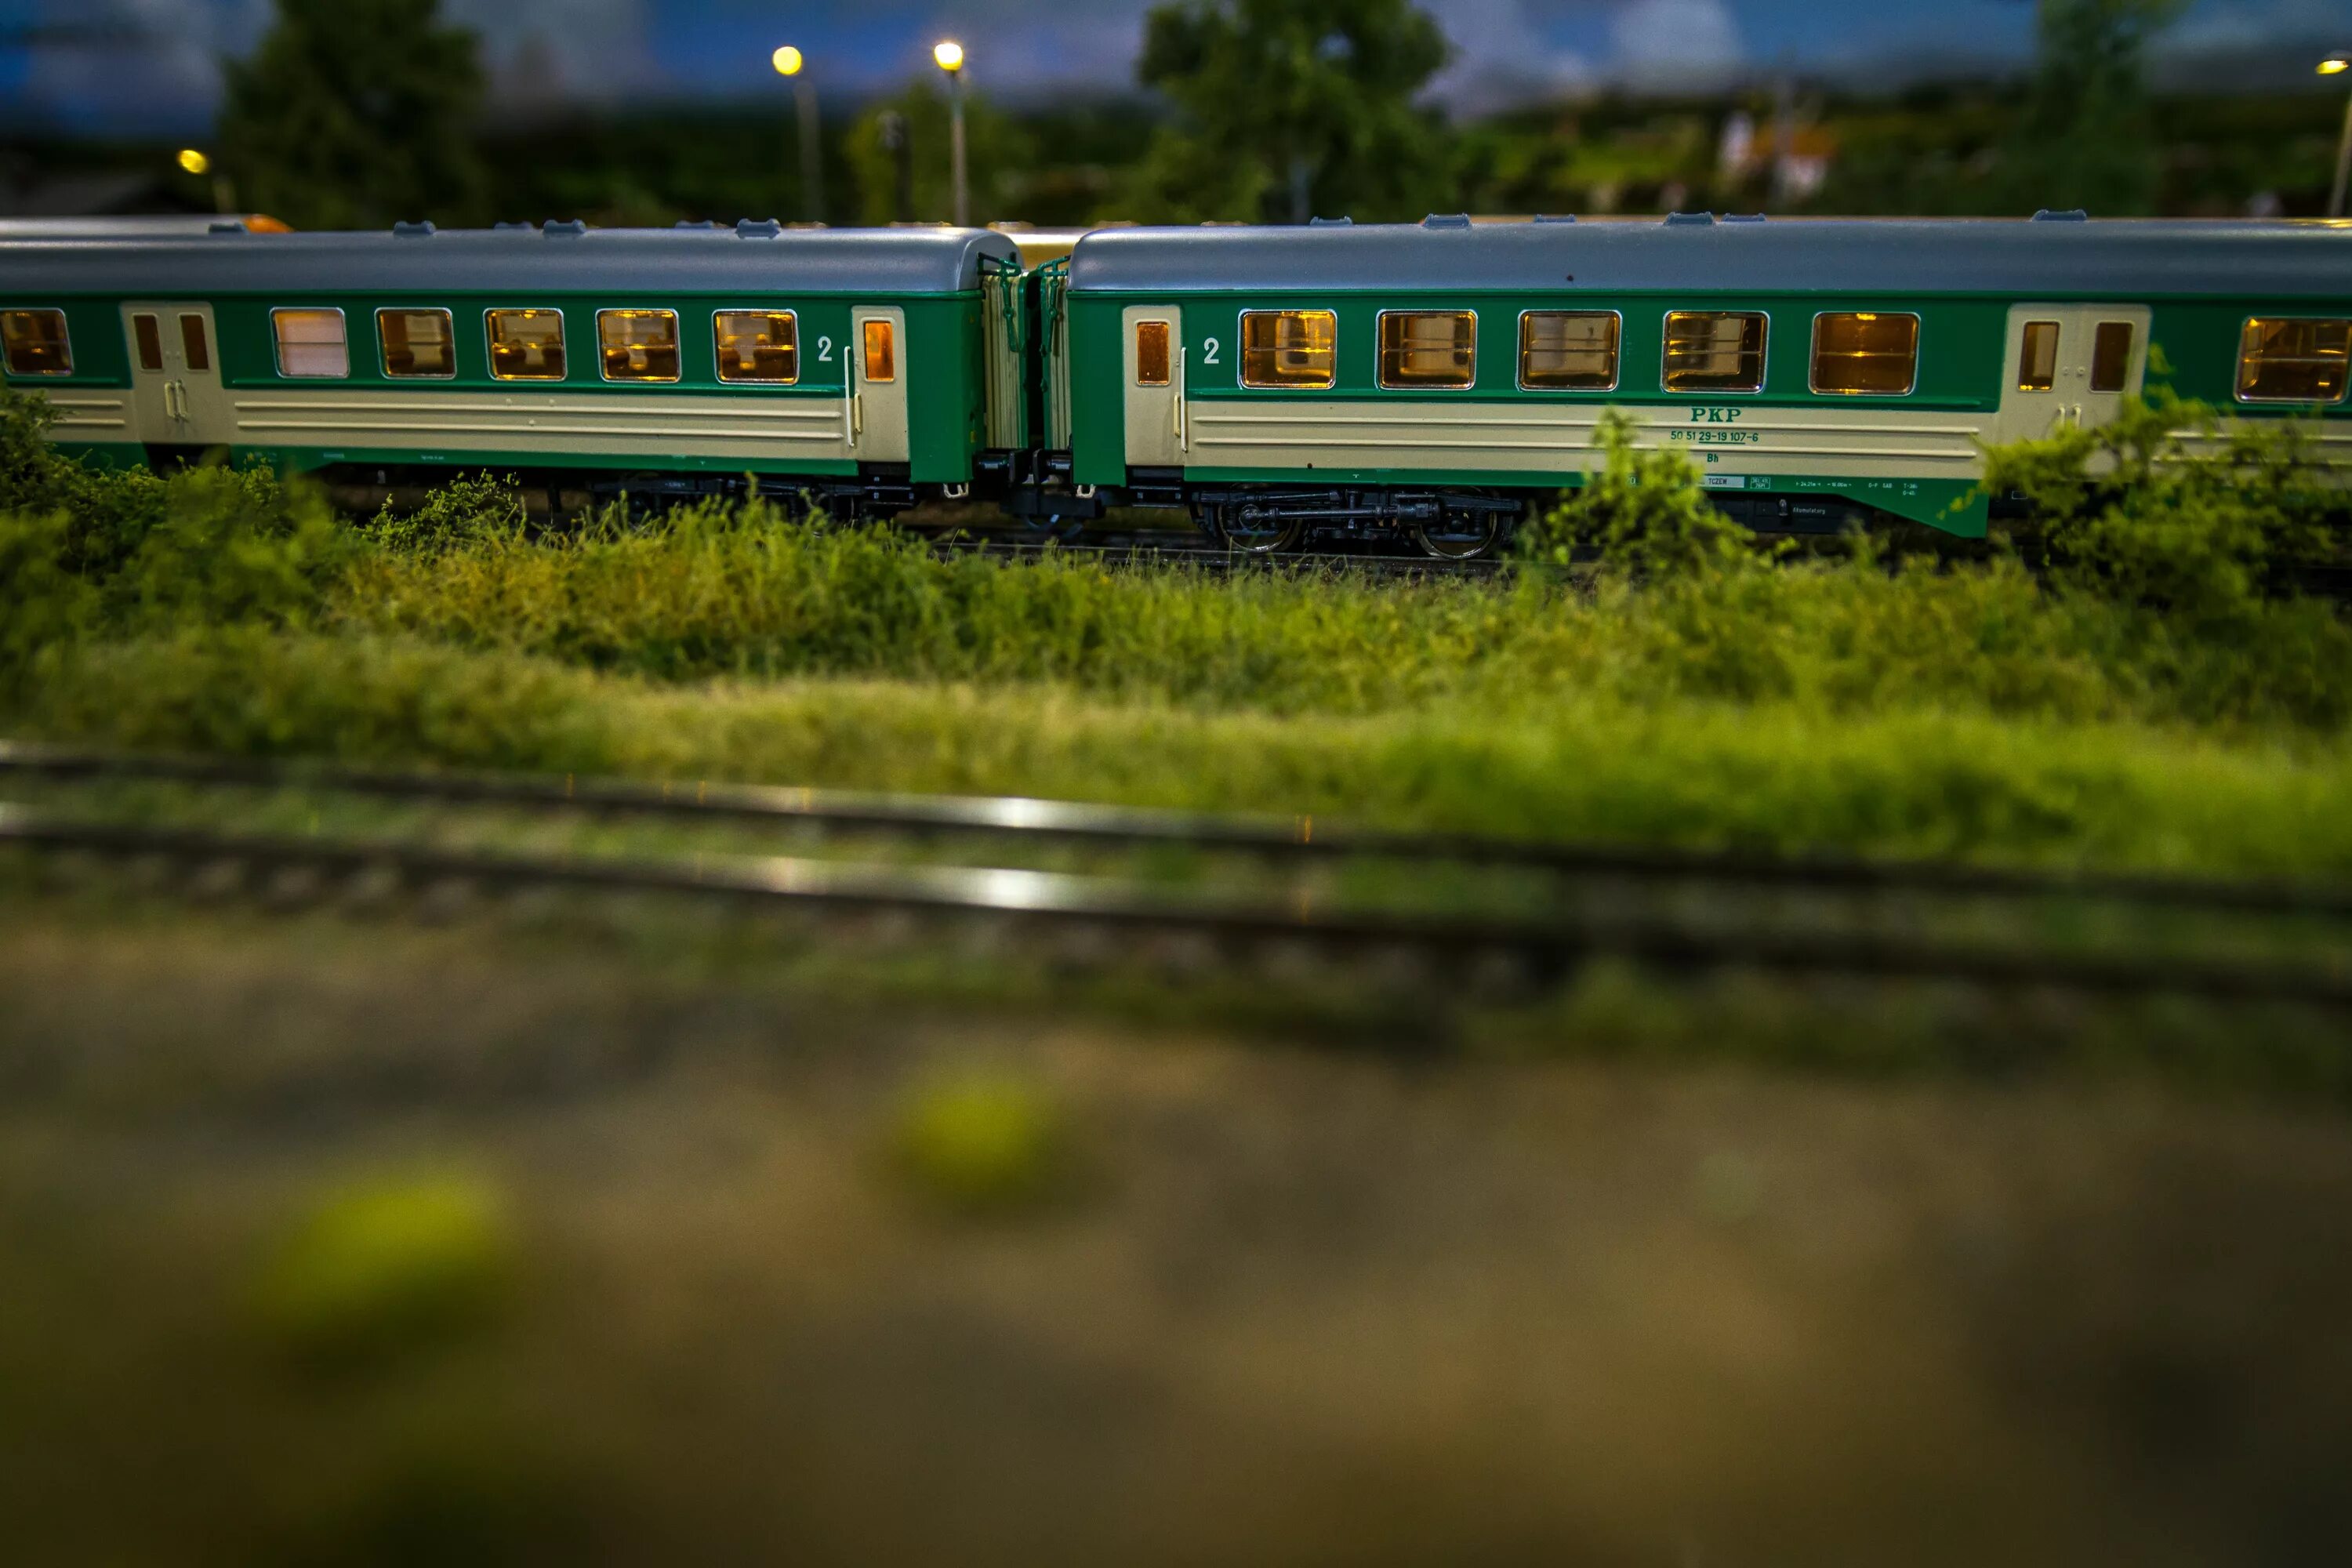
<point>413,230</point>
<point>758,228</point>
<point>1555,217</point>
<point>1690,217</point>
<point>2072,214</point>
<point>1446,220</point>
<point>1342,222</point>
<point>1743,217</point>
<point>568,228</point>
<point>225,225</point>
<point>693,223</point>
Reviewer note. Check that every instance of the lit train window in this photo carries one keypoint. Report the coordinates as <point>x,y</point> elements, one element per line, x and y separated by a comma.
<point>311,344</point>
<point>1429,348</point>
<point>1865,353</point>
<point>417,344</point>
<point>1715,350</point>
<point>881,352</point>
<point>758,345</point>
<point>2111,348</point>
<point>2293,360</point>
<point>1289,348</point>
<point>2037,357</point>
<point>1571,350</point>
<point>638,345</point>
<point>1151,358</point>
<point>36,343</point>
<point>526,346</point>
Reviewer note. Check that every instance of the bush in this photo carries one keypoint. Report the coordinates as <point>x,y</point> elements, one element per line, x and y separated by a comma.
<point>1643,511</point>
<point>387,1267</point>
<point>982,1144</point>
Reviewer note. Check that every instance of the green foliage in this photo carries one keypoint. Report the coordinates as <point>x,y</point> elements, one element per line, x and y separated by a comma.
<point>470,508</point>
<point>998,154</point>
<point>1642,512</point>
<point>1287,108</point>
<point>387,1269</point>
<point>983,1144</point>
<point>2086,137</point>
<point>353,113</point>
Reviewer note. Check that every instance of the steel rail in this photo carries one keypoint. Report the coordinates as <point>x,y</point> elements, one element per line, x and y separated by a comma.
<point>1274,837</point>
<point>1548,950</point>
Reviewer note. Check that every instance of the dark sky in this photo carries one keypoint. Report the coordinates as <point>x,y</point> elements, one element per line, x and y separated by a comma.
<point>153,65</point>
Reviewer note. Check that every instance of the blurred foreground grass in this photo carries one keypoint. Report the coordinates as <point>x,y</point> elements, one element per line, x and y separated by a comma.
<point>456,1246</point>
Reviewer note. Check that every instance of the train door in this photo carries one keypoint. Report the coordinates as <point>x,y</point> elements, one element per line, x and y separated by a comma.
<point>176,395</point>
<point>878,383</point>
<point>1153,351</point>
<point>2069,365</point>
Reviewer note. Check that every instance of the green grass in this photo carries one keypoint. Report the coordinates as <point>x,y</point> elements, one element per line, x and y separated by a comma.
<point>2153,709</point>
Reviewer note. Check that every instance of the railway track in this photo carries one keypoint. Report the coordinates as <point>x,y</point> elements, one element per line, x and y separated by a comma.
<point>1529,947</point>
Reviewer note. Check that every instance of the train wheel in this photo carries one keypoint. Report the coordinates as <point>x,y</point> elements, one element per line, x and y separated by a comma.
<point>1264,534</point>
<point>1459,535</point>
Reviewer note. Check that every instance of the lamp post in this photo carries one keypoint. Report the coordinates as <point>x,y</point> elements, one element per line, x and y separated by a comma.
<point>2337,64</point>
<point>787,62</point>
<point>195,162</point>
<point>949,55</point>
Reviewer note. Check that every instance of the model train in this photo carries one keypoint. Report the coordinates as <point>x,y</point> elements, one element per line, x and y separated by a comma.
<point>1432,380</point>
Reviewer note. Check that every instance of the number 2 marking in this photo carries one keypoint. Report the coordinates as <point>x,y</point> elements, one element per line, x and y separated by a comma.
<point>1208,352</point>
<point>825,351</point>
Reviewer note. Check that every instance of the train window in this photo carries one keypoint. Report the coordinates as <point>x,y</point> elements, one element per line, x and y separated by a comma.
<point>1573,350</point>
<point>1152,357</point>
<point>2111,348</point>
<point>526,346</point>
<point>881,352</point>
<point>417,344</point>
<point>1429,348</point>
<point>36,343</point>
<point>310,344</point>
<point>149,339</point>
<point>2293,360</point>
<point>638,345</point>
<point>758,345</point>
<point>1715,350</point>
<point>1865,353</point>
<point>195,347</point>
<point>2037,357</point>
<point>1288,348</point>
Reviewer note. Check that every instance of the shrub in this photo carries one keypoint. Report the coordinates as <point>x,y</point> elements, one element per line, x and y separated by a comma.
<point>982,1144</point>
<point>1643,510</point>
<point>387,1267</point>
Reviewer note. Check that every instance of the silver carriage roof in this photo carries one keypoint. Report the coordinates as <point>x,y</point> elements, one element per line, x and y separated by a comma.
<point>2044,257</point>
<point>553,259</point>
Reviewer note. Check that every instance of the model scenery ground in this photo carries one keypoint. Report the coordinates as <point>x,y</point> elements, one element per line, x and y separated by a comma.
<point>508,1239</point>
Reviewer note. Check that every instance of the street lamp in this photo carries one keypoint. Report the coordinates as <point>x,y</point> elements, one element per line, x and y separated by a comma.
<point>787,62</point>
<point>949,56</point>
<point>193,160</point>
<point>2337,64</point>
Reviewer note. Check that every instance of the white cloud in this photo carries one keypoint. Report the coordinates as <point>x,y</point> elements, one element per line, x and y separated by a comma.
<point>1677,43</point>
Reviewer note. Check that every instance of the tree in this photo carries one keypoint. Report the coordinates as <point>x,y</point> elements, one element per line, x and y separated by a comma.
<point>998,158</point>
<point>2086,139</point>
<point>356,112</point>
<point>1288,108</point>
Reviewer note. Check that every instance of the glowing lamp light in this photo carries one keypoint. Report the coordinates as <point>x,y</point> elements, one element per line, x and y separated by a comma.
<point>194,162</point>
<point>787,62</point>
<point>2334,65</point>
<point>950,56</point>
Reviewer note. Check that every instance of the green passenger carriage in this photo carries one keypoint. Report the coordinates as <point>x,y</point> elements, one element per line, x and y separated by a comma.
<point>1433,380</point>
<point>1437,376</point>
<point>858,366</point>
